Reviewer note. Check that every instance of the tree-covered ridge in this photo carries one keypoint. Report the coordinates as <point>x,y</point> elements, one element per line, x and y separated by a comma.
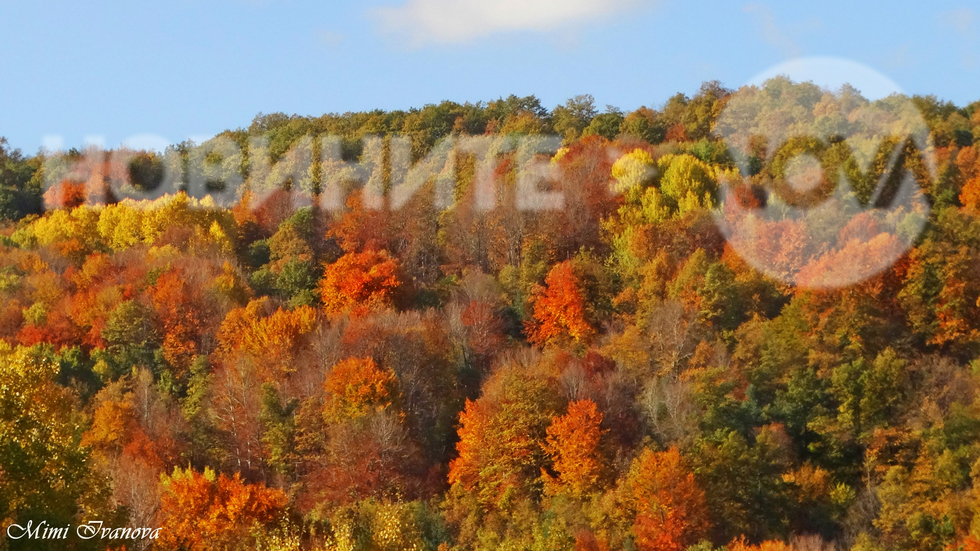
<point>609,375</point>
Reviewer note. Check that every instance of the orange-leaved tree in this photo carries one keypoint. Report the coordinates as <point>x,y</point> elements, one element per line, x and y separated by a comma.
<point>573,445</point>
<point>359,282</point>
<point>669,507</point>
<point>968,163</point>
<point>203,511</point>
<point>357,386</point>
<point>274,339</point>
<point>181,310</point>
<point>560,313</point>
<point>501,435</point>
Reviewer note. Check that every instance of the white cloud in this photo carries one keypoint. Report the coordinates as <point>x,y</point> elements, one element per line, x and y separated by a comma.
<point>455,21</point>
<point>964,20</point>
<point>771,32</point>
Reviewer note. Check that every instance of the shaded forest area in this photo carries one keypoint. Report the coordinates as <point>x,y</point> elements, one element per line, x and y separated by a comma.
<point>611,375</point>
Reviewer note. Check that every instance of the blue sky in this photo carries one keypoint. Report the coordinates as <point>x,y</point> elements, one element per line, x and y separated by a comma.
<point>191,68</point>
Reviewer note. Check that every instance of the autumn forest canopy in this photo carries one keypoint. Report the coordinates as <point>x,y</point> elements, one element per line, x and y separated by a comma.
<point>235,342</point>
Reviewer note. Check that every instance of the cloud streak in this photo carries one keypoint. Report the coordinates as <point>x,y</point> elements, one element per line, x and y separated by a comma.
<point>964,20</point>
<point>771,32</point>
<point>423,22</point>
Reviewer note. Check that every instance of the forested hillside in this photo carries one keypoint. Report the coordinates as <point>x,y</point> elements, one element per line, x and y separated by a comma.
<point>280,370</point>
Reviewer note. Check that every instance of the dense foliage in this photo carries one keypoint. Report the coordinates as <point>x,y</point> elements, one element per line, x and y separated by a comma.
<point>611,375</point>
